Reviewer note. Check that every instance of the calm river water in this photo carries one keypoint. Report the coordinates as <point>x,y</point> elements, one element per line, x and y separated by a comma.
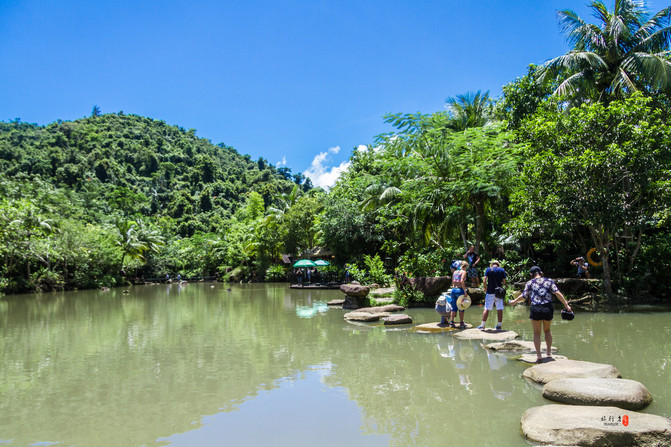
<point>263,365</point>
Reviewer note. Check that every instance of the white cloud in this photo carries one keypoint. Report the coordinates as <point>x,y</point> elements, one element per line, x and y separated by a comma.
<point>323,175</point>
<point>282,162</point>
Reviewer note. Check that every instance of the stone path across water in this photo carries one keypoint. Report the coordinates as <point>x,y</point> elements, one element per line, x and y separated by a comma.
<point>606,412</point>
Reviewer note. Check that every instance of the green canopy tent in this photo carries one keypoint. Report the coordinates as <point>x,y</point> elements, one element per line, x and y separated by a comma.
<point>321,263</point>
<point>304,263</point>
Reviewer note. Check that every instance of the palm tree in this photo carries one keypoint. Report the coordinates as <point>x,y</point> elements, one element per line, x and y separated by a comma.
<point>135,239</point>
<point>469,110</point>
<point>623,53</point>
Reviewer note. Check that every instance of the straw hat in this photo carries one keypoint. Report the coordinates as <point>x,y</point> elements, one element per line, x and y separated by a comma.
<point>463,302</point>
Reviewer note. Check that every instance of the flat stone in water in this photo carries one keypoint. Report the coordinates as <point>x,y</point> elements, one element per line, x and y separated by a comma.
<point>335,303</point>
<point>397,319</point>
<point>477,334</point>
<point>531,358</point>
<point>562,369</point>
<point>364,316</point>
<point>622,393</point>
<point>433,328</point>
<point>589,425</point>
<point>517,345</point>
<point>381,309</point>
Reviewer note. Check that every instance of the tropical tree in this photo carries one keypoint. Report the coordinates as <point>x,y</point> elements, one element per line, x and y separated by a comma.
<point>469,110</point>
<point>135,239</point>
<point>453,177</point>
<point>626,51</point>
<point>599,168</point>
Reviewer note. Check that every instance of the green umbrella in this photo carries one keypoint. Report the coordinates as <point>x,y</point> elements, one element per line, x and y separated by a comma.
<point>304,263</point>
<point>321,263</point>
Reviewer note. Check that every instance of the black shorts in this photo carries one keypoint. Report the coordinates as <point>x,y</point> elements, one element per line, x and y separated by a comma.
<point>542,312</point>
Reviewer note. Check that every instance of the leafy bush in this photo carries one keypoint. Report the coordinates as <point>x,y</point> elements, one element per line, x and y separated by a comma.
<point>376,270</point>
<point>356,273</point>
<point>275,273</point>
<point>46,280</point>
<point>433,263</point>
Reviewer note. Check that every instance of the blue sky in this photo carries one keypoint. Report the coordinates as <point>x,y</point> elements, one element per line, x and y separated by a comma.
<point>300,83</point>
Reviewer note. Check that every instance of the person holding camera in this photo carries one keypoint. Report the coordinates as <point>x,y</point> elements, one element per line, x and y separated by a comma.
<point>495,279</point>
<point>583,267</point>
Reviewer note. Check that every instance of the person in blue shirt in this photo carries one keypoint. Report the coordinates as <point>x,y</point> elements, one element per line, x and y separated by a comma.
<point>495,277</point>
<point>583,267</point>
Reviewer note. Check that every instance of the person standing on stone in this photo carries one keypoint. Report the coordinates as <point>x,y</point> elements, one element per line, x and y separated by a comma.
<point>473,258</point>
<point>494,280</point>
<point>583,267</point>
<point>458,289</point>
<point>539,291</point>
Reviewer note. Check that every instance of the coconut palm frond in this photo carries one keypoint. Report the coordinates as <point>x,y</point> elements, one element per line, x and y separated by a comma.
<point>623,83</point>
<point>573,85</point>
<point>390,194</point>
<point>657,68</point>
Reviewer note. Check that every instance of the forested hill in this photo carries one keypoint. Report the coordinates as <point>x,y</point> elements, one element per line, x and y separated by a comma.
<point>130,165</point>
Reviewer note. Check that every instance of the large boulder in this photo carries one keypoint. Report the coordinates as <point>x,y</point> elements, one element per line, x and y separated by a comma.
<point>623,393</point>
<point>431,285</point>
<point>477,334</point>
<point>356,295</point>
<point>354,290</point>
<point>477,295</point>
<point>578,286</point>
<point>594,426</point>
<point>562,369</point>
<point>571,286</point>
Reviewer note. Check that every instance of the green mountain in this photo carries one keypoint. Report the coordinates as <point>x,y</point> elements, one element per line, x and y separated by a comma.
<point>83,201</point>
<point>141,166</point>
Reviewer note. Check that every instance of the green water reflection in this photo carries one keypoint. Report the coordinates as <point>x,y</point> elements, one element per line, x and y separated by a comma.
<point>266,365</point>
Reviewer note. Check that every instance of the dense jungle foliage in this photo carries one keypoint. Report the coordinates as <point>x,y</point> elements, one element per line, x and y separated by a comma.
<point>84,203</point>
<point>575,157</point>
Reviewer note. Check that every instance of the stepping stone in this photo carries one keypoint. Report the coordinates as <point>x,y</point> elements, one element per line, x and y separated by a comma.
<point>517,345</point>
<point>531,358</point>
<point>622,393</point>
<point>381,309</point>
<point>397,319</point>
<point>477,334</point>
<point>562,369</point>
<point>364,316</point>
<point>592,426</point>
<point>335,303</point>
<point>433,328</point>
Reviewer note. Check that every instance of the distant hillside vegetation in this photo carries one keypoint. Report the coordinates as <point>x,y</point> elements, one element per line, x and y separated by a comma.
<point>131,165</point>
